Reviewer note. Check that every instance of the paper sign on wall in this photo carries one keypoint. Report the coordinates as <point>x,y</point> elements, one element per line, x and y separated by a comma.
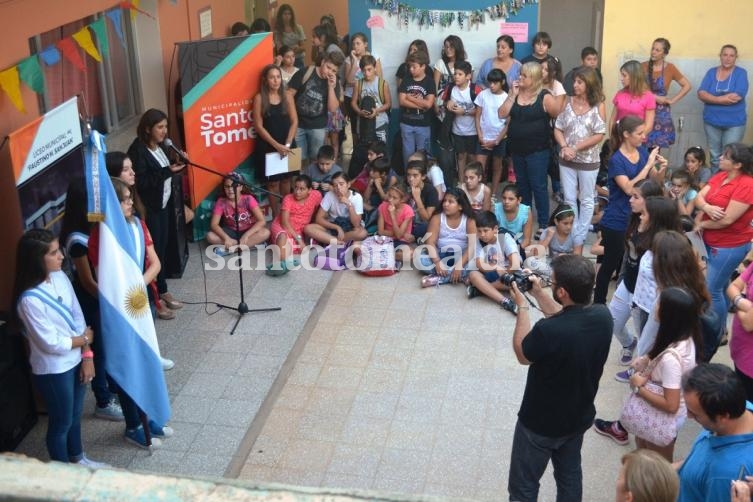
<point>518,31</point>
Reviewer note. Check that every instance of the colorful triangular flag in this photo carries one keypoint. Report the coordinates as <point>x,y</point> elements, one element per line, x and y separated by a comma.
<point>100,29</point>
<point>50,55</point>
<point>70,51</point>
<point>84,38</point>
<point>116,18</point>
<point>11,84</point>
<point>31,74</point>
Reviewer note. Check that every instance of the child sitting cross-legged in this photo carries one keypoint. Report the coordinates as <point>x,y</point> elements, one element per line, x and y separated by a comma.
<point>396,220</point>
<point>381,177</point>
<point>223,231</point>
<point>339,218</point>
<point>496,255</point>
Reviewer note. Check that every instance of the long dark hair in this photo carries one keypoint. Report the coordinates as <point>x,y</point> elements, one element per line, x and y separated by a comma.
<point>462,198</point>
<point>627,124</point>
<point>76,210</point>
<point>264,90</point>
<point>675,263</point>
<point>279,23</point>
<point>456,43</point>
<point>648,188</point>
<point>678,320</point>
<point>114,162</point>
<point>30,266</point>
<point>149,119</point>
<point>594,91</point>
<point>662,215</point>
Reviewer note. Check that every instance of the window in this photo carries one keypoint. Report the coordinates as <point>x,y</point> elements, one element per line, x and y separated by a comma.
<point>108,90</point>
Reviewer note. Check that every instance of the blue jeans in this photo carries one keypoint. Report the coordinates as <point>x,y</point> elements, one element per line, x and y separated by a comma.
<point>101,383</point>
<point>448,257</point>
<point>717,137</point>
<point>414,138</point>
<point>532,171</point>
<point>309,141</point>
<point>63,393</point>
<point>722,262</point>
<point>530,455</point>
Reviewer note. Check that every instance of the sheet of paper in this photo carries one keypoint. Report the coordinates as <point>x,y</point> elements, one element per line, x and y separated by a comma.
<point>275,165</point>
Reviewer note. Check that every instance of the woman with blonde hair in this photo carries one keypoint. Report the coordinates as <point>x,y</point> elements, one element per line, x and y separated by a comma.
<point>530,109</point>
<point>635,97</point>
<point>646,476</point>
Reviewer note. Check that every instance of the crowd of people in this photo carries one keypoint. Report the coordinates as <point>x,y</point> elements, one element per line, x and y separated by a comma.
<point>678,238</point>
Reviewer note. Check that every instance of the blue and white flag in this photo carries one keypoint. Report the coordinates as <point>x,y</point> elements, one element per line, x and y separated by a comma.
<point>133,358</point>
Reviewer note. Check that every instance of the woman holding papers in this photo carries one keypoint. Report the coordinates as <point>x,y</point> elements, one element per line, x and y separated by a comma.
<point>276,122</point>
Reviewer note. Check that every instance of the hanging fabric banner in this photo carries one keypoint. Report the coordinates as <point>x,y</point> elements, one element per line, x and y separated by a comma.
<point>116,18</point>
<point>10,83</point>
<point>50,55</point>
<point>70,51</point>
<point>100,29</point>
<point>84,38</point>
<point>31,74</point>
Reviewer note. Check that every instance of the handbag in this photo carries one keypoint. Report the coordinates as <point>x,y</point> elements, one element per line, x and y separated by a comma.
<point>647,422</point>
<point>377,256</point>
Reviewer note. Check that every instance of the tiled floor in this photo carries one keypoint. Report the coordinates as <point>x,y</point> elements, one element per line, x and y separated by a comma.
<point>361,382</point>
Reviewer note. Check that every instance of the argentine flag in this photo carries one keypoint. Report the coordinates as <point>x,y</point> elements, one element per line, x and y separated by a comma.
<point>133,358</point>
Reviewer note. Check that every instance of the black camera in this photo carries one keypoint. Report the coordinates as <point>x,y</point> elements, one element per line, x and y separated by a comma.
<point>519,278</point>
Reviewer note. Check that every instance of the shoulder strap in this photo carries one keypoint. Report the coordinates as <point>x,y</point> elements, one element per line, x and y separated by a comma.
<point>307,75</point>
<point>382,93</point>
<point>474,91</point>
<point>48,300</point>
<point>359,88</point>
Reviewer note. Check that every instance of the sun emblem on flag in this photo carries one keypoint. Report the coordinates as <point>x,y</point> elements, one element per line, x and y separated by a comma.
<point>136,301</point>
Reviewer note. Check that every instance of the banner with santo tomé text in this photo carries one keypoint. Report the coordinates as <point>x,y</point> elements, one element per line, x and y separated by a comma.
<point>219,79</point>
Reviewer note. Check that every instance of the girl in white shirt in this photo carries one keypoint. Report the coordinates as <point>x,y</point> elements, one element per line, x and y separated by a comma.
<point>60,356</point>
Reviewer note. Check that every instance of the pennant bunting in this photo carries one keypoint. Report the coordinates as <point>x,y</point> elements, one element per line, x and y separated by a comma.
<point>50,55</point>
<point>11,84</point>
<point>116,18</point>
<point>31,74</point>
<point>70,51</point>
<point>100,29</point>
<point>134,6</point>
<point>83,37</point>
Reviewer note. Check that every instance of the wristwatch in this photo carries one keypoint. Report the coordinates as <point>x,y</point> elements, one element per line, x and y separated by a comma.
<point>635,389</point>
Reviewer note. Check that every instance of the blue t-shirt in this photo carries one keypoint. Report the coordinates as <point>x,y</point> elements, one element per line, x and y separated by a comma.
<point>725,115</point>
<point>712,463</point>
<point>617,213</point>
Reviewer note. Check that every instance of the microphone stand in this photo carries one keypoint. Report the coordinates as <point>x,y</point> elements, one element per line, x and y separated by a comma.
<point>242,307</point>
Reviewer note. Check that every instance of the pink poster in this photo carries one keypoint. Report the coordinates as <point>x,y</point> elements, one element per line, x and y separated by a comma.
<point>518,31</point>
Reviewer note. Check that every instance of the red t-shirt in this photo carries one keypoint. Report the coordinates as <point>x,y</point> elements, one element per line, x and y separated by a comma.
<point>94,244</point>
<point>740,189</point>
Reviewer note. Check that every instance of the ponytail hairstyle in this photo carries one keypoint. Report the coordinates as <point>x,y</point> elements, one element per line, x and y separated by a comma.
<point>678,320</point>
<point>666,46</point>
<point>561,212</point>
<point>626,125</point>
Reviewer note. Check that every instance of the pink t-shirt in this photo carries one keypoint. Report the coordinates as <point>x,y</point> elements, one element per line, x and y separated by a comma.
<point>741,343</point>
<point>224,208</point>
<point>627,104</point>
<point>300,212</point>
<point>406,213</point>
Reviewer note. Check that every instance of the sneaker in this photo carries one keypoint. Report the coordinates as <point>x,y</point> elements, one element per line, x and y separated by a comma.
<point>91,464</point>
<point>626,356</point>
<point>611,430</point>
<point>509,305</point>
<point>221,251</point>
<point>428,281</point>
<point>167,364</point>
<point>471,291</point>
<point>137,437</point>
<point>111,411</point>
<point>160,432</point>
<point>623,376</point>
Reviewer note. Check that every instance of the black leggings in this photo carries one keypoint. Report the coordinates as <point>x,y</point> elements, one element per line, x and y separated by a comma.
<point>747,383</point>
<point>614,249</point>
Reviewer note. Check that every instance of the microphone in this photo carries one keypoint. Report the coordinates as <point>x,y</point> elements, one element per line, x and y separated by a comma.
<point>169,144</point>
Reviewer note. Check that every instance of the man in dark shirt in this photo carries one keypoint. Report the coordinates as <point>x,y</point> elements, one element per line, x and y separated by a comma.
<point>566,353</point>
<point>589,58</point>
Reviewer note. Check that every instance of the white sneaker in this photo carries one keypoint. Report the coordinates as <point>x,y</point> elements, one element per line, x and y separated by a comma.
<point>167,364</point>
<point>91,464</point>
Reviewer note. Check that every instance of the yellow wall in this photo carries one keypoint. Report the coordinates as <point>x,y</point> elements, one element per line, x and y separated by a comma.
<point>696,29</point>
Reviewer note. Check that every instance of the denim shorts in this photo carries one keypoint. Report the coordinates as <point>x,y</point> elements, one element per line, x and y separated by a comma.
<point>498,151</point>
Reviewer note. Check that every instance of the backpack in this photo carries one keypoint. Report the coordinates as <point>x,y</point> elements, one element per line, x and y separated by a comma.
<point>382,85</point>
<point>377,256</point>
<point>306,105</point>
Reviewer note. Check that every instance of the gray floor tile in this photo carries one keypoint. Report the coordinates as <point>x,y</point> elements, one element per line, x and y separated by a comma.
<point>411,465</point>
<point>375,405</point>
<point>217,440</point>
<point>356,460</point>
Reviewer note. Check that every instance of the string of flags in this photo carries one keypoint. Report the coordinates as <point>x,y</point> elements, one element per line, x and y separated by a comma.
<point>29,70</point>
<point>444,18</point>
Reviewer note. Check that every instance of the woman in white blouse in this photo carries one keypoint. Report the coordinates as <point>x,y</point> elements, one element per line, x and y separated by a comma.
<point>579,131</point>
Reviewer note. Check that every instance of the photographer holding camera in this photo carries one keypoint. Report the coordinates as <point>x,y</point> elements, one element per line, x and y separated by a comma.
<point>565,352</point>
